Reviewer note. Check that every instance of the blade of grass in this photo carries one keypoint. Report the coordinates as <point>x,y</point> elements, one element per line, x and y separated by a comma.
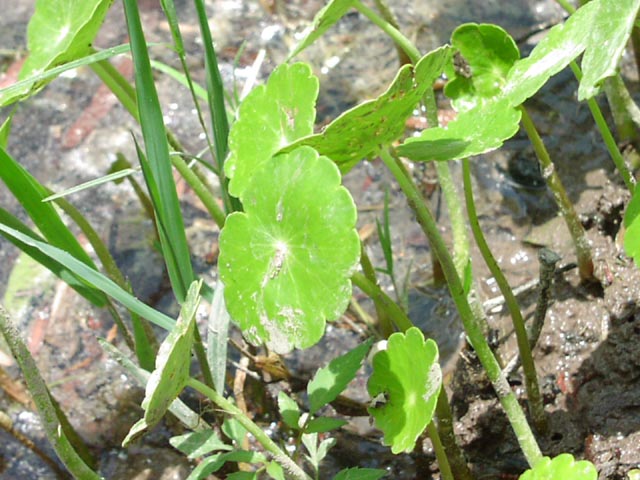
<point>91,184</point>
<point>217,338</point>
<point>90,276</point>
<point>218,111</point>
<point>167,206</point>
<point>29,192</point>
<point>53,427</point>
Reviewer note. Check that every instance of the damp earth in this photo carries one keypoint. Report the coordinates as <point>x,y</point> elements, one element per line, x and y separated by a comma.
<point>587,357</point>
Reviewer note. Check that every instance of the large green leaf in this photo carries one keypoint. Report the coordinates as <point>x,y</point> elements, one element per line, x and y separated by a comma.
<point>359,132</point>
<point>473,132</point>
<point>270,117</point>
<point>59,31</point>
<point>600,29</point>
<point>562,467</point>
<point>405,384</point>
<point>330,381</point>
<point>324,19</point>
<point>286,261</point>
<point>172,366</point>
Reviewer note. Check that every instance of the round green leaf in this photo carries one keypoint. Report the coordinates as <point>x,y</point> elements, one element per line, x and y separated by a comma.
<point>562,467</point>
<point>487,54</point>
<point>286,261</point>
<point>405,384</point>
<point>272,116</point>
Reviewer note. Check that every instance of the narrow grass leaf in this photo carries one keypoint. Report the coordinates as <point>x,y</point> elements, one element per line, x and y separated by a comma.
<point>90,276</point>
<point>91,184</point>
<point>215,94</point>
<point>168,213</point>
<point>404,386</point>
<point>22,88</point>
<point>10,221</point>
<point>330,381</point>
<point>5,130</point>
<point>52,424</point>
<point>29,192</point>
<point>218,338</point>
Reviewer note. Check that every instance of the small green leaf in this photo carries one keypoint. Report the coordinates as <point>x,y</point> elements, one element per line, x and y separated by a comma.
<point>289,410</point>
<point>562,467</point>
<point>324,19</point>
<point>59,31</point>
<point>324,424</point>
<point>473,132</point>
<point>172,366</point>
<point>270,117</point>
<point>360,474</point>
<point>215,462</point>
<point>232,429</point>
<point>330,381</point>
<point>407,378</point>
<point>632,226</point>
<point>242,476</point>
<point>275,471</point>
<point>299,228</point>
<point>633,474</point>
<point>490,53</point>
<point>197,444</point>
<point>359,132</point>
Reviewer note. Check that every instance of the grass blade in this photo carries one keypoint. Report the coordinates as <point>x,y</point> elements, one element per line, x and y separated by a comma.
<point>168,214</point>
<point>90,276</point>
<point>52,425</point>
<point>215,93</point>
<point>217,338</point>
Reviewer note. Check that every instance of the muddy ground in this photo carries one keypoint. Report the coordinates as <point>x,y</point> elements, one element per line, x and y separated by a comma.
<point>587,358</point>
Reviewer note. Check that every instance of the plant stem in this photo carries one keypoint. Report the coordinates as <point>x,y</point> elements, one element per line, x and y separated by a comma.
<point>609,141</point>
<point>384,320</point>
<point>570,9</point>
<point>403,42</point>
<point>457,462</point>
<point>284,460</point>
<point>392,309</point>
<point>536,406</point>
<point>441,456</point>
<point>43,400</point>
<point>583,251</point>
<point>472,325</point>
